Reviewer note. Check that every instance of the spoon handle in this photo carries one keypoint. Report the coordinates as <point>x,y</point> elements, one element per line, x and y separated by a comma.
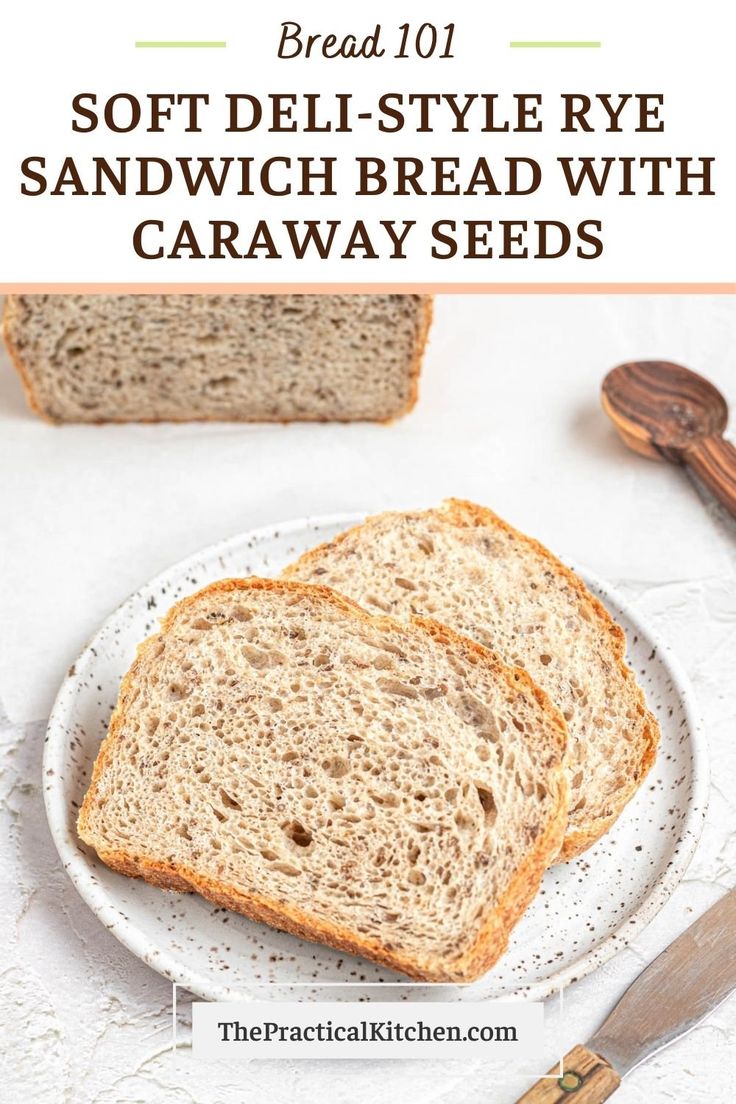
<point>714,462</point>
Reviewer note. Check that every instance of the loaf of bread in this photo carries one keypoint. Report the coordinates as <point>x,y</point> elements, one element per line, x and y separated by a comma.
<point>465,567</point>
<point>253,358</point>
<point>391,790</point>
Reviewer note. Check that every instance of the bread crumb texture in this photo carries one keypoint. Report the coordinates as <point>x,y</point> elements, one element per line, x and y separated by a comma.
<point>107,358</point>
<point>391,790</point>
<point>464,566</point>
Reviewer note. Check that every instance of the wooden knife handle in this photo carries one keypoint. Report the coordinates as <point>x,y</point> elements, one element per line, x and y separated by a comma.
<point>586,1079</point>
<point>714,462</point>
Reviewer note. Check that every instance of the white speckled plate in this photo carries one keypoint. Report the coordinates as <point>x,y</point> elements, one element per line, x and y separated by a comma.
<point>585,912</point>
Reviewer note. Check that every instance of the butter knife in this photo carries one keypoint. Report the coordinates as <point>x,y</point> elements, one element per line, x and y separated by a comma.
<point>682,986</point>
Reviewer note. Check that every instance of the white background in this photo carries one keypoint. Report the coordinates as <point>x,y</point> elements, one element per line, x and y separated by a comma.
<point>508,415</point>
<point>53,51</point>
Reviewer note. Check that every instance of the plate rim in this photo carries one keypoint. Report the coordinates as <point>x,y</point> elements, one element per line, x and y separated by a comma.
<point>74,858</point>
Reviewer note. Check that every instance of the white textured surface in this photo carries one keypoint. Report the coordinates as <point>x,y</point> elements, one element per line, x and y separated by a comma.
<point>509,415</point>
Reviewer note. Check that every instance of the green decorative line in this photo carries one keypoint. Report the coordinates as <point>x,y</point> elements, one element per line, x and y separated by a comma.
<point>555,45</point>
<point>180,45</point>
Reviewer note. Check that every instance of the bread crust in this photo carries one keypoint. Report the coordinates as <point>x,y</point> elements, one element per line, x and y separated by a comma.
<point>426,303</point>
<point>11,312</point>
<point>465,514</point>
<point>11,315</point>
<point>493,938</point>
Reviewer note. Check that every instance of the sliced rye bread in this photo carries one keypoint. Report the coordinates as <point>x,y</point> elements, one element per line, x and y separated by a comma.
<point>465,567</point>
<point>390,790</point>
<point>271,358</point>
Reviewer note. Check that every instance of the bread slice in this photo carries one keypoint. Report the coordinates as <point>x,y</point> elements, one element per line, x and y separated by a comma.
<point>393,791</point>
<point>464,566</point>
<point>253,358</point>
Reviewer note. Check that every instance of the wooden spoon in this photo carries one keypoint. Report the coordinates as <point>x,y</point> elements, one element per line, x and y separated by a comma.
<point>667,412</point>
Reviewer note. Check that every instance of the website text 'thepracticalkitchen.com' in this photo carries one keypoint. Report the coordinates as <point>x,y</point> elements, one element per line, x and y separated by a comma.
<point>367,1031</point>
<point>407,1027</point>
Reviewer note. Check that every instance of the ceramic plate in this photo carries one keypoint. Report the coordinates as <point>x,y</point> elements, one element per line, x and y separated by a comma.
<point>585,911</point>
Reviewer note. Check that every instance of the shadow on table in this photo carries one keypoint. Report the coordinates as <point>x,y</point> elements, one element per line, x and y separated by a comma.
<point>13,403</point>
<point>594,432</point>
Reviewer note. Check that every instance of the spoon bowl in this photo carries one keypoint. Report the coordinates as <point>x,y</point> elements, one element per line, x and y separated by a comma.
<point>667,412</point>
<point>662,409</point>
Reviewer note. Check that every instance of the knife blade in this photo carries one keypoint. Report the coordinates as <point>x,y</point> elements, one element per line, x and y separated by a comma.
<point>686,982</point>
<point>682,986</point>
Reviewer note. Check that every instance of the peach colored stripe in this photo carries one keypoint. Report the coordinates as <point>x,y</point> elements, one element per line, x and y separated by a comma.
<point>350,288</point>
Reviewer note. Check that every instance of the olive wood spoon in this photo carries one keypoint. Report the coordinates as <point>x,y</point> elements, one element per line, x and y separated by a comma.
<point>667,412</point>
